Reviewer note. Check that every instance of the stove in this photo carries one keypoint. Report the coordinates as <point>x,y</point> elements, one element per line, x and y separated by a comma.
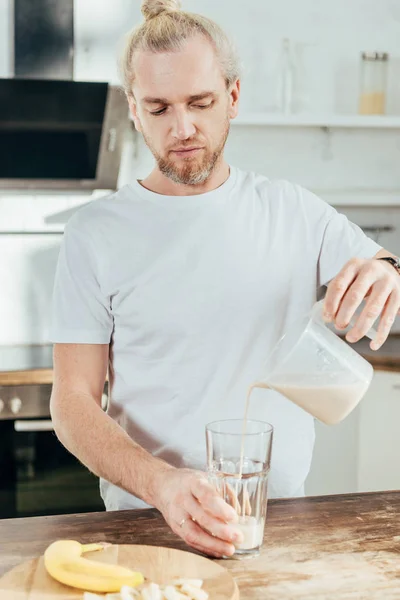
<point>39,476</point>
<point>25,401</point>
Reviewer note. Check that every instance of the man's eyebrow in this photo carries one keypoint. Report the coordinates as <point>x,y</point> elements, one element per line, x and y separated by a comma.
<point>193,98</point>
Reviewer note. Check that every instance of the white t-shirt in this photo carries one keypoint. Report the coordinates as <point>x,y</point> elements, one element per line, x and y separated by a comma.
<point>192,293</point>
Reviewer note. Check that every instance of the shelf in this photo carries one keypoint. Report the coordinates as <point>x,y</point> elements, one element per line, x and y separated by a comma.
<point>353,197</point>
<point>337,121</point>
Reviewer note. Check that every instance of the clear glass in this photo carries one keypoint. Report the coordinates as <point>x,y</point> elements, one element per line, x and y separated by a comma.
<point>243,485</point>
<point>317,370</point>
<point>373,84</point>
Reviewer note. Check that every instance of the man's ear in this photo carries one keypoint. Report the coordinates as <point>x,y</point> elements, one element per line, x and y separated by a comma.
<point>133,111</point>
<point>234,95</point>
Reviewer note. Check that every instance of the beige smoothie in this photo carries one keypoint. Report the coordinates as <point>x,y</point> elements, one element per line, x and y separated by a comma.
<point>330,403</point>
<point>252,530</point>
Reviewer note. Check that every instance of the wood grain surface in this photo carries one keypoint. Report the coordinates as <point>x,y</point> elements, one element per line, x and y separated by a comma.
<point>341,547</point>
<point>31,377</point>
<point>30,580</point>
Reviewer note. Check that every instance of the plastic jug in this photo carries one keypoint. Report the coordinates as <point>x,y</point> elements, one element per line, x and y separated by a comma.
<point>317,370</point>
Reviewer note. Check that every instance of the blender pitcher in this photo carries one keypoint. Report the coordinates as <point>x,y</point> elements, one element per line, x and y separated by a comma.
<point>317,370</point>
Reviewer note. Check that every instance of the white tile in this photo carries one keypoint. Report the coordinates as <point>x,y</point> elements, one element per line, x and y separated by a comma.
<point>14,211</point>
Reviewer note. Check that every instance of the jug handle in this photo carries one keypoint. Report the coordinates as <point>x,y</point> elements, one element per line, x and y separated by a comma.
<point>316,315</point>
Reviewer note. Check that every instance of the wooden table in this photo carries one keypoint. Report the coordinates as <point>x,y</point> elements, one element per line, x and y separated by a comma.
<point>342,547</point>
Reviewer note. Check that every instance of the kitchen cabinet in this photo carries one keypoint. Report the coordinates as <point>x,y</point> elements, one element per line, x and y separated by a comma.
<point>362,453</point>
<point>379,435</point>
<point>335,460</point>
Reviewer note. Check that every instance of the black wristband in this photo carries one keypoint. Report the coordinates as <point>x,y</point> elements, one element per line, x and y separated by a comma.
<point>395,262</point>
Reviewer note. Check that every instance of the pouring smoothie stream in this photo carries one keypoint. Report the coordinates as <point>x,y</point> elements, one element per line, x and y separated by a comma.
<point>316,370</point>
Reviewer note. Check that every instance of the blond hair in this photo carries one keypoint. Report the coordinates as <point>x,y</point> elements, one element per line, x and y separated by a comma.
<point>165,29</point>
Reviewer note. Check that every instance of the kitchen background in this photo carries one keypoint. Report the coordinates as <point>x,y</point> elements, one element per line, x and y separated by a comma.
<point>313,136</point>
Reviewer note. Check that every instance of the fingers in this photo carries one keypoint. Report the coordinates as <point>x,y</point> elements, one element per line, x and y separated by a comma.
<point>372,310</point>
<point>338,288</point>
<point>363,279</point>
<point>246,501</point>
<point>211,501</point>
<point>354,297</point>
<point>202,541</point>
<point>388,316</point>
<point>231,498</point>
<point>214,526</point>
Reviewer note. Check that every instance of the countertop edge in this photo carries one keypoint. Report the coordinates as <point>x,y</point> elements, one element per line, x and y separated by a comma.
<point>45,376</point>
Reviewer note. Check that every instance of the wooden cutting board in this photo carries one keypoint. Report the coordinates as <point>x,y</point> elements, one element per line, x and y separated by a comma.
<point>30,580</point>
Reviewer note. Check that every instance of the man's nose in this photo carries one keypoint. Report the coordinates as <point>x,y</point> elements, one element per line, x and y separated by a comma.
<point>183,127</point>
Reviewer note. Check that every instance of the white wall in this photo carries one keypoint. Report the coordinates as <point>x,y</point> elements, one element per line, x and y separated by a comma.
<point>345,162</point>
<point>329,37</point>
<point>5,31</point>
<point>334,33</point>
<point>27,264</point>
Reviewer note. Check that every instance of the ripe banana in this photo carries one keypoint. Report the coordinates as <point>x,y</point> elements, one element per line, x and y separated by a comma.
<point>64,562</point>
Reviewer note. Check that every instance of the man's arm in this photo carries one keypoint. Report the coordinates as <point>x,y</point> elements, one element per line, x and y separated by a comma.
<point>378,283</point>
<point>189,504</point>
<point>383,253</point>
<point>87,431</point>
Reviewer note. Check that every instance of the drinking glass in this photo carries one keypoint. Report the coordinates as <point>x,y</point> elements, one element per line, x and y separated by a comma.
<point>238,465</point>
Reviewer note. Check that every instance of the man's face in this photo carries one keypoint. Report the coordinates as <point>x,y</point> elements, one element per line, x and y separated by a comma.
<point>183,109</point>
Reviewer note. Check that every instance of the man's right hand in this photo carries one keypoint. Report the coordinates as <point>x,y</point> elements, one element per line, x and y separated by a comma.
<point>196,512</point>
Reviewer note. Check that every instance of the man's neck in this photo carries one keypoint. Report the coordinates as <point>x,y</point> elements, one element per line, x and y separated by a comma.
<point>160,184</point>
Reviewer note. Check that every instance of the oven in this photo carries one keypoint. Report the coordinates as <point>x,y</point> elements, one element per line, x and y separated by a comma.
<point>38,476</point>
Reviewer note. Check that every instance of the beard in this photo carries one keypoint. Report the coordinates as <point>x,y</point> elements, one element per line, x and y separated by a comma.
<point>193,171</point>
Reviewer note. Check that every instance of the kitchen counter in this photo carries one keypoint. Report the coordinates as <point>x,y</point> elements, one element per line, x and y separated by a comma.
<point>386,358</point>
<point>26,364</point>
<point>325,547</point>
<point>28,377</point>
<point>14,361</point>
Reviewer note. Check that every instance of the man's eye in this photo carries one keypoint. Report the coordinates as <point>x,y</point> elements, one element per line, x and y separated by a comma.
<point>161,111</point>
<point>158,112</point>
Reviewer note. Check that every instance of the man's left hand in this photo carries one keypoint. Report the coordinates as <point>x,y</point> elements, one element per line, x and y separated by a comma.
<point>374,280</point>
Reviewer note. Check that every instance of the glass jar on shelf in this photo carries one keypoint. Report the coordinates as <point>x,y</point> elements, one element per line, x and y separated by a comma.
<point>373,83</point>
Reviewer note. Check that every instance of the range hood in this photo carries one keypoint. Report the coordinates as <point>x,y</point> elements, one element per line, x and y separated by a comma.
<point>56,133</point>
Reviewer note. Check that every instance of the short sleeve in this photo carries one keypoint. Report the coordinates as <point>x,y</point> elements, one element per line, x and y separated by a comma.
<point>80,310</point>
<point>342,240</point>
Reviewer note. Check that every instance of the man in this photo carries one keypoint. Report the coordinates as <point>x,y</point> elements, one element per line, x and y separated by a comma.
<point>182,283</point>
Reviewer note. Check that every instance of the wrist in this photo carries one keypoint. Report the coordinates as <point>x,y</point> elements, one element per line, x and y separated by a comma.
<point>157,476</point>
<point>393,261</point>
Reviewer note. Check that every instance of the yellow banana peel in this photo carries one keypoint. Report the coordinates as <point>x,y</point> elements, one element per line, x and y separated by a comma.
<point>64,562</point>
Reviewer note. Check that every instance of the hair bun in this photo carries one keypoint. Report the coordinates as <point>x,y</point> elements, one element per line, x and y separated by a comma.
<point>153,8</point>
